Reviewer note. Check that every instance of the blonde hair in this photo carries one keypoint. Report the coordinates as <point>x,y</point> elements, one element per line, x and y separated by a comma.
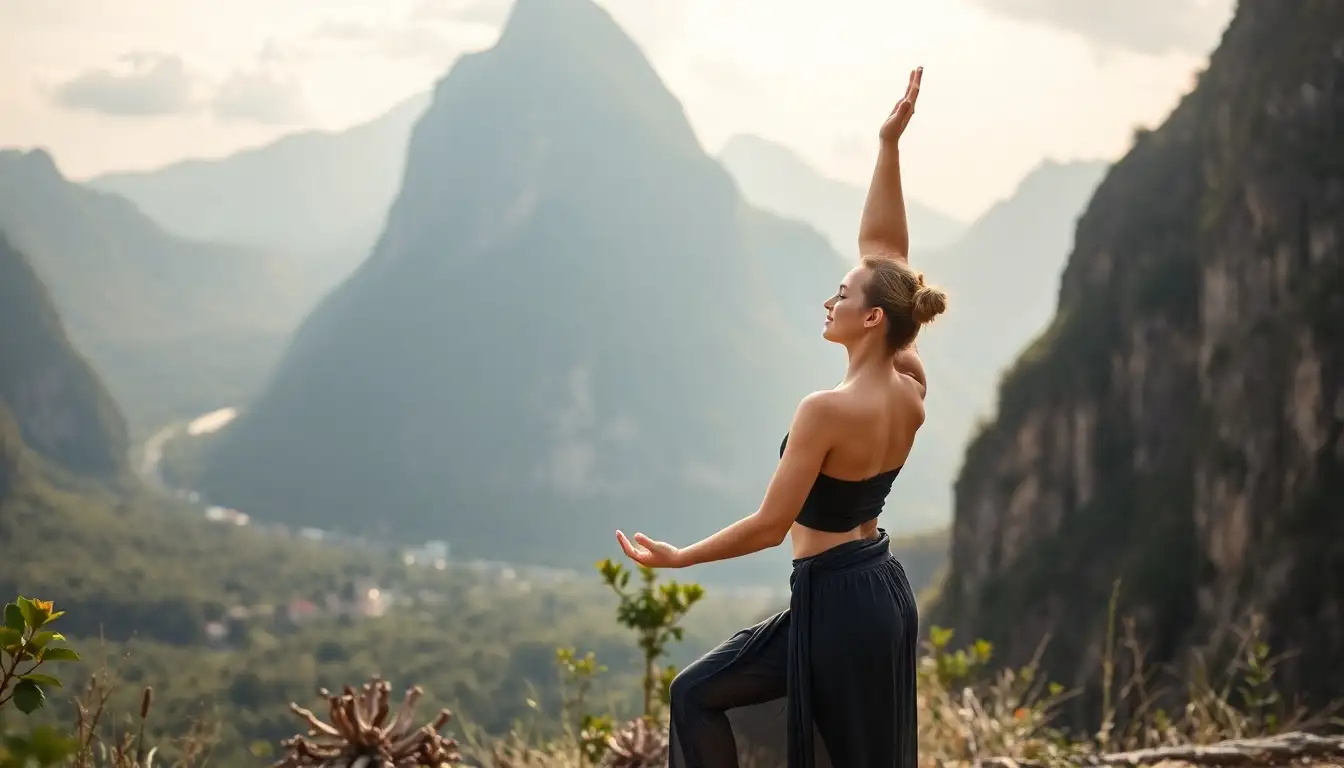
<point>906,301</point>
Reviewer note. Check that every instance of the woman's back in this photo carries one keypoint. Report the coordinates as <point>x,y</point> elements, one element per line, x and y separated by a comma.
<point>875,418</point>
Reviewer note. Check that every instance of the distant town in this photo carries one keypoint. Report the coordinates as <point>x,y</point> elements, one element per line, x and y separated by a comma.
<point>361,598</point>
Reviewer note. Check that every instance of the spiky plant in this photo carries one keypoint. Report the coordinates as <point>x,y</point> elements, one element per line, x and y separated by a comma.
<point>638,744</point>
<point>361,735</point>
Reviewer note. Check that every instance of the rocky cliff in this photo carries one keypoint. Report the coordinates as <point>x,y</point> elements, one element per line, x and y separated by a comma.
<point>1180,425</point>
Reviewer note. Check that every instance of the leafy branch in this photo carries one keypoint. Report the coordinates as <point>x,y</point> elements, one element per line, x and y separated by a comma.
<point>26,645</point>
<point>655,612</point>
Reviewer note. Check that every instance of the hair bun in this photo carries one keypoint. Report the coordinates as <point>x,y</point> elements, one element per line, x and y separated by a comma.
<point>929,303</point>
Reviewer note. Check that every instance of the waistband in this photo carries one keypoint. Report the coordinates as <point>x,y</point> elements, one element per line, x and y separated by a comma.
<point>844,557</point>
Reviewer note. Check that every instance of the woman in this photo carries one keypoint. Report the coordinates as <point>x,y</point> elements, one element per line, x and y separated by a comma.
<point>843,655</point>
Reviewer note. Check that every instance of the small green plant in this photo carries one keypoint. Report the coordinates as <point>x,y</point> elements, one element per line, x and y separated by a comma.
<point>26,646</point>
<point>654,611</point>
<point>953,668</point>
<point>590,732</point>
<point>969,710</point>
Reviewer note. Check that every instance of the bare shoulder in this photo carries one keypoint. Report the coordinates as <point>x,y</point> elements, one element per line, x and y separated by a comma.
<point>823,403</point>
<point>819,413</point>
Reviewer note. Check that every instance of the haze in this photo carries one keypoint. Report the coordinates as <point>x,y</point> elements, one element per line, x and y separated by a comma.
<point>140,83</point>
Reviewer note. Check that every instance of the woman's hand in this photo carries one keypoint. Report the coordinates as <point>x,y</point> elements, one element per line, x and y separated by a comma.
<point>646,551</point>
<point>899,118</point>
<point>883,230</point>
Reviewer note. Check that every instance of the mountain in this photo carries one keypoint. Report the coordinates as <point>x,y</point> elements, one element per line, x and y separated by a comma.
<point>175,326</point>
<point>51,402</point>
<point>1179,425</point>
<point>570,322</point>
<point>1022,241</point>
<point>773,177</point>
<point>321,196</point>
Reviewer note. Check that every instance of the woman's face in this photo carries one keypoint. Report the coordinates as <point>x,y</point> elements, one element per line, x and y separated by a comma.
<point>847,315</point>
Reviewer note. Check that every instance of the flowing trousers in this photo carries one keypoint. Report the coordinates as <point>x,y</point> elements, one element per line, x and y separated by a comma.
<point>828,682</point>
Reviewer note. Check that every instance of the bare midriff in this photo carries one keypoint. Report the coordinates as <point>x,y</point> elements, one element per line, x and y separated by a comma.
<point>809,541</point>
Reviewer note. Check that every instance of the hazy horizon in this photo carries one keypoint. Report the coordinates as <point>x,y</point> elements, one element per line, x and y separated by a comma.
<point>1008,84</point>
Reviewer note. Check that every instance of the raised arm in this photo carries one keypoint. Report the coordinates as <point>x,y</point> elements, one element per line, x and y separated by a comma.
<point>883,230</point>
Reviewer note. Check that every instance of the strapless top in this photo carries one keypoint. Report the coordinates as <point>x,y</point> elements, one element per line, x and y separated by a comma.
<point>836,506</point>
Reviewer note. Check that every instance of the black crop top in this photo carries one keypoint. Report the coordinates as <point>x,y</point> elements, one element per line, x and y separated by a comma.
<point>836,506</point>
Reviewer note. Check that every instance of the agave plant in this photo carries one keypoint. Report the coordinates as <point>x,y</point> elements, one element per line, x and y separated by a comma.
<point>361,734</point>
<point>638,744</point>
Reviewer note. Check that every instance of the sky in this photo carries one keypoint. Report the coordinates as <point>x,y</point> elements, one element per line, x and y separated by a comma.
<point>137,84</point>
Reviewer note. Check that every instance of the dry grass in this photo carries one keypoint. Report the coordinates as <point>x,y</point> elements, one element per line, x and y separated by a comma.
<point>970,715</point>
<point>1012,713</point>
<point>99,742</point>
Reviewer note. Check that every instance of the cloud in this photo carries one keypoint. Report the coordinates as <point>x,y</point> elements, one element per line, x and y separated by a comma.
<point>155,85</point>
<point>490,13</point>
<point>144,85</point>
<point>433,33</point>
<point>261,97</point>
<point>1153,27</point>
<point>387,39</point>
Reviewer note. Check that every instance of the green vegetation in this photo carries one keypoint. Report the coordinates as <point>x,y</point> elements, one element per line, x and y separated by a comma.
<point>969,709</point>
<point>230,623</point>
<point>654,612</point>
<point>28,646</point>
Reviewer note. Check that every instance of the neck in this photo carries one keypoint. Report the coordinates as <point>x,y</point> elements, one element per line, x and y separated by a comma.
<point>867,356</point>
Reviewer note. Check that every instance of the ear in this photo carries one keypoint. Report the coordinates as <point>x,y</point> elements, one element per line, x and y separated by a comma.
<point>873,318</point>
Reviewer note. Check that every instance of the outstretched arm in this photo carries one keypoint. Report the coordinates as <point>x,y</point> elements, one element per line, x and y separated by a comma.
<point>883,230</point>
<point>810,438</point>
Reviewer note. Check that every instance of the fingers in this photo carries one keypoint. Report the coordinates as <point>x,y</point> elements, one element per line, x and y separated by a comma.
<point>645,541</point>
<point>629,548</point>
<point>907,103</point>
<point>641,556</point>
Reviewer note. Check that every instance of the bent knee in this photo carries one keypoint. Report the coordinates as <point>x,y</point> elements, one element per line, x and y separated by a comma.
<point>685,687</point>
